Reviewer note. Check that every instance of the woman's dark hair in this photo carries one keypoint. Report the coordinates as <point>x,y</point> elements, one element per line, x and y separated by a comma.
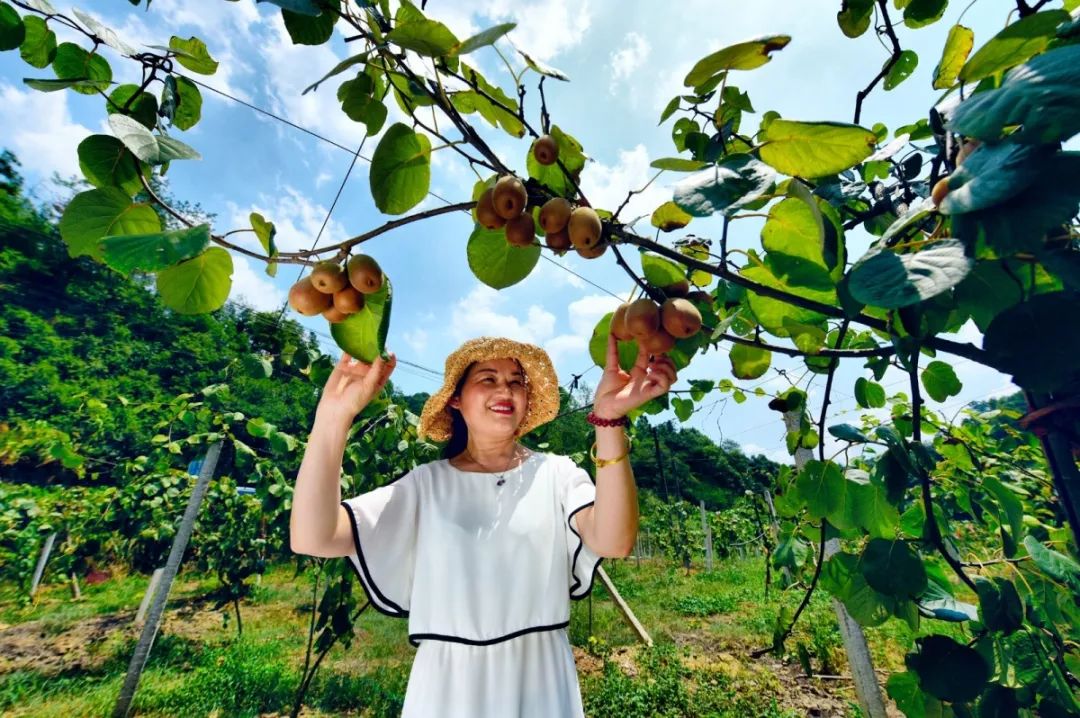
<point>459,430</point>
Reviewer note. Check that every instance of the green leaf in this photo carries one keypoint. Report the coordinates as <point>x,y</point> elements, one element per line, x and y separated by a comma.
<point>197,285</point>
<point>841,577</point>
<point>1017,43</point>
<point>105,162</point>
<point>551,176</point>
<point>99,213</point>
<point>815,149</point>
<point>189,110</point>
<point>668,217</point>
<point>38,48</point>
<point>993,174</point>
<point>546,70</point>
<point>948,670</point>
<point>920,13</point>
<point>148,147</point>
<point>74,63</point>
<point>778,316</point>
<point>56,85</point>
<point>670,109</point>
<point>939,380</point>
<point>265,231</point>
<point>847,432</point>
<point>485,38</point>
<point>793,236</point>
<point>12,29</point>
<point>749,362</point>
<point>734,182</point>
<point>154,252</point>
<point>307,29</point>
<point>661,272</point>
<point>359,103</point>
<point>496,262</point>
<point>306,7</point>
<point>988,290</point>
<point>678,164</point>
<point>854,16</point>
<point>820,484</point>
<point>1056,565</point>
<point>193,55</point>
<point>426,37</point>
<point>1010,511</point>
<point>957,47</point>
<point>869,394</point>
<point>105,34</point>
<point>400,170</point>
<point>1000,608</point>
<point>337,69</point>
<point>901,69</point>
<point>143,108</point>
<point>1027,342</point>
<point>904,689</point>
<point>893,568</point>
<point>882,278</point>
<point>598,342</point>
<point>741,56</point>
<point>363,334</point>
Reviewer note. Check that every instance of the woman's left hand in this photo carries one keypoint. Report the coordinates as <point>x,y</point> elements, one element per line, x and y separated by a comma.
<point>619,392</point>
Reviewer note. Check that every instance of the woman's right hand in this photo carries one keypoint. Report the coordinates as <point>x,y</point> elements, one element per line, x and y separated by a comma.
<point>353,384</point>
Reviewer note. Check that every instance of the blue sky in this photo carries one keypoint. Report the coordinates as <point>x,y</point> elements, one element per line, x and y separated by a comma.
<point>625,61</point>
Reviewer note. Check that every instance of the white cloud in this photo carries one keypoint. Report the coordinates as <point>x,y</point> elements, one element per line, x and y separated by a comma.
<point>586,312</point>
<point>255,289</point>
<point>628,58</point>
<point>296,218</point>
<point>40,131</point>
<point>607,186</point>
<point>417,339</point>
<point>477,314</point>
<point>777,454</point>
<point>564,346</point>
<point>544,28</point>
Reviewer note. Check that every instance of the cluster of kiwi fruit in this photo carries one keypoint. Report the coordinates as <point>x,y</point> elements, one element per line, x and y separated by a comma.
<point>506,206</point>
<point>656,327</point>
<point>336,291</point>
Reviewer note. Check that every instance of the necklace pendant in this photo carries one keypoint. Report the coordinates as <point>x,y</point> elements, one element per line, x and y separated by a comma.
<point>500,482</point>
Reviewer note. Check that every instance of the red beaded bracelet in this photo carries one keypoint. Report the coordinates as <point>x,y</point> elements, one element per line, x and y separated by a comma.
<point>595,420</point>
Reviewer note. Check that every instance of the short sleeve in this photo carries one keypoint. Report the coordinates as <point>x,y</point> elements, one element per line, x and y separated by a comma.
<point>578,492</point>
<point>384,528</point>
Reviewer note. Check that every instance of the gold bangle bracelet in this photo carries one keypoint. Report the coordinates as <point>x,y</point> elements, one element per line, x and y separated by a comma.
<point>601,463</point>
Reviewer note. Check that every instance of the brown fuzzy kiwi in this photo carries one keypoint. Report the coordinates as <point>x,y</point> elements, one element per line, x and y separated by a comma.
<point>555,214</point>
<point>334,315</point>
<point>592,252</point>
<point>559,241</point>
<point>328,277</point>
<point>681,319</point>
<point>365,274</point>
<point>521,230</point>
<point>485,211</point>
<point>940,190</point>
<point>658,342</point>
<point>642,317</point>
<point>700,295</point>
<point>307,300</point>
<point>618,323</point>
<point>509,197</point>
<point>679,289</point>
<point>348,300</point>
<point>546,150</point>
<point>585,228</point>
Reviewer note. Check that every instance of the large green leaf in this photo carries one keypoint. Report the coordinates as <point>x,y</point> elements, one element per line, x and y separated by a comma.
<point>189,109</point>
<point>989,289</point>
<point>893,568</point>
<point>957,47</point>
<point>496,262</point>
<point>920,13</point>
<point>424,36</point>
<point>1010,512</point>
<point>668,217</point>
<point>197,285</point>
<point>678,164</point>
<point>154,252</point>
<point>12,29</point>
<point>992,174</point>
<point>661,272</point>
<point>904,689</point>
<point>307,29</point>
<point>901,69</point>
<point>1000,608</point>
<point>1040,100</point>
<point>43,85</point>
<point>820,485</point>
<point>841,577</point>
<point>793,236</point>
<point>551,176</point>
<point>363,334</point>
<point>1020,41</point>
<point>265,231</point>
<point>729,186</point>
<point>948,670</point>
<point>749,362</point>
<point>105,162</point>
<point>359,103</point>
<point>1027,342</point>
<point>192,54</point>
<point>741,56</point>
<point>778,316</point>
<point>598,342</point>
<point>485,38</point>
<point>148,147</point>
<point>854,16</point>
<point>143,108</point>
<point>74,63</point>
<point>869,394</point>
<point>1054,564</point>
<point>104,33</point>
<point>940,381</point>
<point>815,149</point>
<point>400,170</point>
<point>39,46</point>
<point>883,278</point>
<point>99,213</point>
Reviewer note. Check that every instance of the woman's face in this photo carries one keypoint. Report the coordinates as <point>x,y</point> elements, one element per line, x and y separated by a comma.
<point>493,399</point>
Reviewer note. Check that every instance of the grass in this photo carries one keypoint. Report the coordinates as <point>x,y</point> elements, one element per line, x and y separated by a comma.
<point>703,626</point>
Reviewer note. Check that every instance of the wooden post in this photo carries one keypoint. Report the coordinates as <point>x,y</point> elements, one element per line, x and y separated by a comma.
<point>151,587</point>
<point>707,530</point>
<point>623,607</point>
<point>867,687</point>
<point>172,565</point>
<point>75,592</point>
<point>42,560</point>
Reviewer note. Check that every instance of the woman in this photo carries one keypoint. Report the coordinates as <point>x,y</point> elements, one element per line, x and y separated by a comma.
<point>483,549</point>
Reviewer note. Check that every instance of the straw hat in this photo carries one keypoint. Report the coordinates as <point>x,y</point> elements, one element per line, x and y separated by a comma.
<point>541,382</point>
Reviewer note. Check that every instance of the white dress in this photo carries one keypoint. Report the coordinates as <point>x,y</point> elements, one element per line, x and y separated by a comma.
<point>485,574</point>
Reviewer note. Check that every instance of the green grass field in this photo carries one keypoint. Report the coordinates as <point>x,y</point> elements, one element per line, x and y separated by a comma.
<point>63,658</point>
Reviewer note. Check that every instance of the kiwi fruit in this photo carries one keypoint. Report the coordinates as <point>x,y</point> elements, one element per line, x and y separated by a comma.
<point>681,319</point>
<point>679,289</point>
<point>365,274</point>
<point>592,252</point>
<point>334,315</point>
<point>585,228</point>
<point>555,214</point>
<point>521,230</point>
<point>642,317</point>
<point>328,277</point>
<point>485,211</point>
<point>348,300</point>
<point>618,323</point>
<point>658,342</point>
<point>307,300</point>
<point>559,241</point>
<point>965,151</point>
<point>509,197</point>
<point>546,150</point>
<point>940,190</point>
<point>700,295</point>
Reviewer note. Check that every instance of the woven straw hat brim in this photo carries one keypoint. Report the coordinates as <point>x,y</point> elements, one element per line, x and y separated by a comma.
<point>541,381</point>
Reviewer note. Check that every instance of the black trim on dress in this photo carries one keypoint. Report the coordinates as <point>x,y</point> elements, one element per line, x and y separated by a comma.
<point>414,638</point>
<point>577,551</point>
<point>372,591</point>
